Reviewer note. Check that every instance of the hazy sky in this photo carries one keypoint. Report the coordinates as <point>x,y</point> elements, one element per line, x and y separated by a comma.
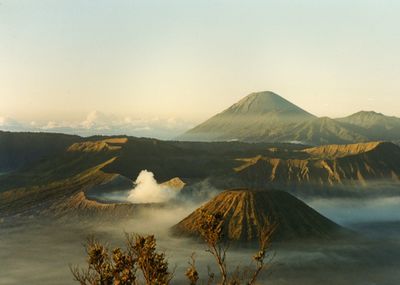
<point>61,60</point>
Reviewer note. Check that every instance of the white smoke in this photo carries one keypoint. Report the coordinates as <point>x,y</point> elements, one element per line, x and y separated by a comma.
<point>147,190</point>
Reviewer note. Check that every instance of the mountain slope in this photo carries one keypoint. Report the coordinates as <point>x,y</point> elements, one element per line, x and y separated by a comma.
<point>318,131</point>
<point>326,165</point>
<point>245,212</point>
<point>41,199</point>
<point>368,119</point>
<point>268,102</point>
<point>22,149</point>
<point>374,125</point>
<point>257,115</point>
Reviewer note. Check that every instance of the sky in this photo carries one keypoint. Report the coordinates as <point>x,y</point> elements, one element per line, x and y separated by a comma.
<point>167,65</point>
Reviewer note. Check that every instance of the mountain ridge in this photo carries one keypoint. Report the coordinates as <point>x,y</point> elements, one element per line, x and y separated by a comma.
<point>326,165</point>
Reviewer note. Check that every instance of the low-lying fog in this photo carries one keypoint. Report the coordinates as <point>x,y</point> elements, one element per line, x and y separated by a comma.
<point>355,210</point>
<point>39,252</point>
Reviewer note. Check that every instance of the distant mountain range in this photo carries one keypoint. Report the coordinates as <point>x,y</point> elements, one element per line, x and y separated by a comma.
<point>267,117</point>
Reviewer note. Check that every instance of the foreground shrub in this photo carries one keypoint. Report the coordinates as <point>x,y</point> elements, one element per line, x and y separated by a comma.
<point>141,261</point>
<point>120,267</point>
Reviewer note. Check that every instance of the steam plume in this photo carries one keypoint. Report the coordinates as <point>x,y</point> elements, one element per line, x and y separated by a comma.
<point>147,190</point>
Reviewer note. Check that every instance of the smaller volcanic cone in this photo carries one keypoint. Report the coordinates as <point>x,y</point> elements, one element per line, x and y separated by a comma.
<point>245,212</point>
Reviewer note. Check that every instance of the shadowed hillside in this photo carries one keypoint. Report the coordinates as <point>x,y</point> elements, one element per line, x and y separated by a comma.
<point>68,162</point>
<point>22,149</point>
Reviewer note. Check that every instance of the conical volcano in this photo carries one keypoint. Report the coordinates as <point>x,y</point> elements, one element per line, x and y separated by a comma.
<point>245,212</point>
<point>267,102</point>
<point>250,119</point>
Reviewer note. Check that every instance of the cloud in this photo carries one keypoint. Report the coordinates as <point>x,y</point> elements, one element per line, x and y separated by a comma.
<point>90,120</point>
<point>145,128</point>
<point>107,124</point>
<point>349,211</point>
<point>50,125</point>
<point>98,123</point>
<point>9,124</point>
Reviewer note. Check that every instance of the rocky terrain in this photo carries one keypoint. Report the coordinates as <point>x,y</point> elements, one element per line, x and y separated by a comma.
<point>325,165</point>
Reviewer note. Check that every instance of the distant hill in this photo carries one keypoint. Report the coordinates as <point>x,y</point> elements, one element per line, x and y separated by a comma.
<point>374,125</point>
<point>267,117</point>
<point>245,212</point>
